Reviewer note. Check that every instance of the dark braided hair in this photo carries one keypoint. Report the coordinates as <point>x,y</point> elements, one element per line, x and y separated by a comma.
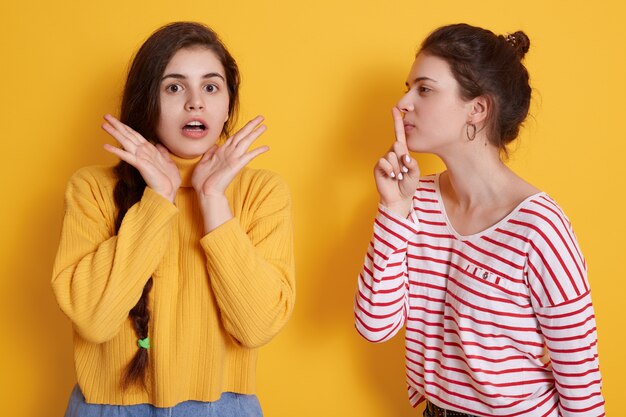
<point>141,110</point>
<point>485,64</point>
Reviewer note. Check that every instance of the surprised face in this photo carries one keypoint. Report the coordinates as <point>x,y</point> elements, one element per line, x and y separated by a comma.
<point>194,102</point>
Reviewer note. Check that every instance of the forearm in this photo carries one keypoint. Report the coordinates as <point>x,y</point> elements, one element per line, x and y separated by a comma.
<point>381,300</point>
<point>253,285</point>
<point>97,279</point>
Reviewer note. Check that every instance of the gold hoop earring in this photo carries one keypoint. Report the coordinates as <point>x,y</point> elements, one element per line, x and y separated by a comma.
<point>470,136</point>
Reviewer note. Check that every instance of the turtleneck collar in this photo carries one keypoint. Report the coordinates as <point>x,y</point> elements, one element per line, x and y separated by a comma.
<point>185,167</point>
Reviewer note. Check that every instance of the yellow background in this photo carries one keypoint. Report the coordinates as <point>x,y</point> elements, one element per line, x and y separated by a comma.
<point>325,74</point>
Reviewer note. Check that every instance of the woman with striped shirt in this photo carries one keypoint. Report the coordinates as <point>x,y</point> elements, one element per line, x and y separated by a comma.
<point>481,268</point>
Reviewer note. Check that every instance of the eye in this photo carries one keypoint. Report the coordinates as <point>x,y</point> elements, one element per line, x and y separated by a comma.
<point>210,88</point>
<point>423,89</point>
<point>173,88</point>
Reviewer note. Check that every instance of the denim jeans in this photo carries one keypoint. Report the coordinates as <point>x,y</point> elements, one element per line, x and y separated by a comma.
<point>230,404</point>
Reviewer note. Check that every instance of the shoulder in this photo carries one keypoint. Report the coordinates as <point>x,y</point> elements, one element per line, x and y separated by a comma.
<point>261,189</point>
<point>91,185</point>
<point>96,176</point>
<point>542,214</point>
<point>262,181</point>
<point>548,232</point>
<point>554,256</point>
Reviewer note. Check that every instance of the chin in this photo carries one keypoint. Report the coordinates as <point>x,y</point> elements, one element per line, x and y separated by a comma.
<point>415,146</point>
<point>421,144</point>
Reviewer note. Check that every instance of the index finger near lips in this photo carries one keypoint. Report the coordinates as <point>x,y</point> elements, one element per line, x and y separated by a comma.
<point>400,150</point>
<point>398,125</point>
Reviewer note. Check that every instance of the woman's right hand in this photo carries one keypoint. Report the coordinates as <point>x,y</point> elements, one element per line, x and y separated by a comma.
<point>397,174</point>
<point>153,162</point>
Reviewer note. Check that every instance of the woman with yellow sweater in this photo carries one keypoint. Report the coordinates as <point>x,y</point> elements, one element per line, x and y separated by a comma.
<point>176,265</point>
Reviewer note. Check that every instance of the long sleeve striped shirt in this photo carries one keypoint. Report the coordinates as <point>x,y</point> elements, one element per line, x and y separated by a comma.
<point>499,323</point>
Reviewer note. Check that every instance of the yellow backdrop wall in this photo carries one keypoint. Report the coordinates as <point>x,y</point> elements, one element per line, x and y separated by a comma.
<point>325,74</point>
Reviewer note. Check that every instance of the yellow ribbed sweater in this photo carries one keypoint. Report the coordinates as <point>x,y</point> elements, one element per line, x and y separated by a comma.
<point>216,297</point>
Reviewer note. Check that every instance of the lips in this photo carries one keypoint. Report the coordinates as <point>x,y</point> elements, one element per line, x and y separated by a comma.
<point>195,129</point>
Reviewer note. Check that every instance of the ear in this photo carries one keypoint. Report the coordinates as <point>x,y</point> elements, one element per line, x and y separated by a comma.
<point>479,110</point>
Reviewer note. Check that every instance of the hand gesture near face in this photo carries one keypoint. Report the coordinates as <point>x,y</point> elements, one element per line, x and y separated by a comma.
<point>396,173</point>
<point>219,166</point>
<point>153,162</point>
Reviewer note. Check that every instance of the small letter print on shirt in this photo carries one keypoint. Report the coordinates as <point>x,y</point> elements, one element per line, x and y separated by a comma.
<point>483,274</point>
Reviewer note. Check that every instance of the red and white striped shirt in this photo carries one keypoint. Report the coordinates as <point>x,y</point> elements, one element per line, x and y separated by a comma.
<point>499,323</point>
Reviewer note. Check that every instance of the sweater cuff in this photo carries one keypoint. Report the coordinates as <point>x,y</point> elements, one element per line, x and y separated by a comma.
<point>219,241</point>
<point>155,201</point>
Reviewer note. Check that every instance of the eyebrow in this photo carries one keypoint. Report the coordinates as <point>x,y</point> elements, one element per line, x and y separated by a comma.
<point>182,77</point>
<point>418,79</point>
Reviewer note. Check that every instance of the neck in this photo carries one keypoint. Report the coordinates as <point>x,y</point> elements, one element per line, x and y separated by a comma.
<point>475,175</point>
<point>185,167</point>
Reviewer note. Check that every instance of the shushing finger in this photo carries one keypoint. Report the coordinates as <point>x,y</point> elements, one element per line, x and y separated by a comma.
<point>398,124</point>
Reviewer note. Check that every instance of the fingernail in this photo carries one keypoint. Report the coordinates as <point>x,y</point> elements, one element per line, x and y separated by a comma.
<point>405,169</point>
<point>400,176</point>
<point>407,158</point>
<point>392,175</point>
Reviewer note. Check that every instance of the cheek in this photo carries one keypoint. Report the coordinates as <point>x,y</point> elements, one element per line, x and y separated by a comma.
<point>167,114</point>
<point>451,114</point>
<point>225,109</point>
<point>167,105</point>
<point>166,124</point>
<point>220,112</point>
<point>162,127</point>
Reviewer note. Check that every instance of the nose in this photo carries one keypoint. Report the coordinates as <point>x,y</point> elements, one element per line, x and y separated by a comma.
<point>194,102</point>
<point>405,104</point>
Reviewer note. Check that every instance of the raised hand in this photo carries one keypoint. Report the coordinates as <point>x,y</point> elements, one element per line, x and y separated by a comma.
<point>153,162</point>
<point>218,167</point>
<point>396,173</point>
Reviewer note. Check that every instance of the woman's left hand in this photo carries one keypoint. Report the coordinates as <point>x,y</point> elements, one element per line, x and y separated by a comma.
<point>219,166</point>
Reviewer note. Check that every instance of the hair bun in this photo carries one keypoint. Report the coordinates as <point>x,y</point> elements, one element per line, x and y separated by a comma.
<point>519,41</point>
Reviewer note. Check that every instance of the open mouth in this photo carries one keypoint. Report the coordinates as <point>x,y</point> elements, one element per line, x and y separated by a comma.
<point>195,126</point>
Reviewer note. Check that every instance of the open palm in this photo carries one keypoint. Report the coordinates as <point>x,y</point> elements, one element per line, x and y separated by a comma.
<point>220,164</point>
<point>153,162</point>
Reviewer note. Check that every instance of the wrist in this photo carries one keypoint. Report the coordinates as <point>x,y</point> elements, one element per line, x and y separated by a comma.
<point>399,208</point>
<point>215,210</point>
<point>210,197</point>
<point>169,196</point>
